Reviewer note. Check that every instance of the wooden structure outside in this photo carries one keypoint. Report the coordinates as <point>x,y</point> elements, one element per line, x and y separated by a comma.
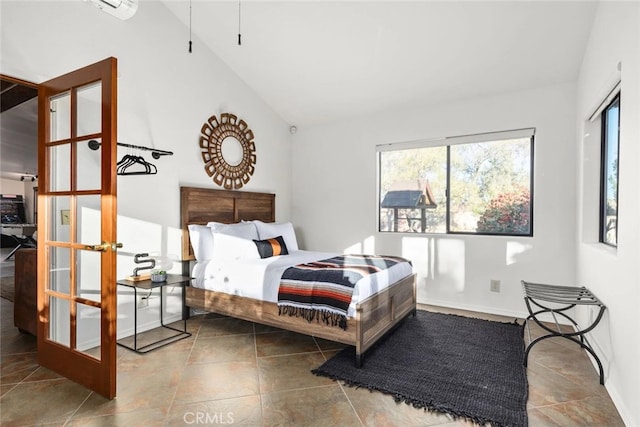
<point>408,196</point>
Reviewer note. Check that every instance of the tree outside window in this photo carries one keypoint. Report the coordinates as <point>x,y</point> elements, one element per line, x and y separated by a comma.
<point>609,173</point>
<point>472,187</point>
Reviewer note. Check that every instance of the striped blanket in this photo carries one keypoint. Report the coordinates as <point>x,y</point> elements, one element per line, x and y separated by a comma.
<point>322,290</point>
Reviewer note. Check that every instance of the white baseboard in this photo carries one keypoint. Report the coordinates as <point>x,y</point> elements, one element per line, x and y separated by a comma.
<point>618,403</point>
<point>478,308</point>
<point>492,310</point>
<point>95,342</point>
<point>149,325</point>
<point>613,392</point>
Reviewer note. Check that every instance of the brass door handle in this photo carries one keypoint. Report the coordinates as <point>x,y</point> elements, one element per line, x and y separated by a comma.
<point>104,246</point>
<point>100,248</point>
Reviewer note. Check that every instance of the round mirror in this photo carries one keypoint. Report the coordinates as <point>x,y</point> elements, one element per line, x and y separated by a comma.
<point>228,150</point>
<point>232,152</point>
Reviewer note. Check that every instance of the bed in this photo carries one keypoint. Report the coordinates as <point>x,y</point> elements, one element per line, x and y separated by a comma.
<point>369,320</point>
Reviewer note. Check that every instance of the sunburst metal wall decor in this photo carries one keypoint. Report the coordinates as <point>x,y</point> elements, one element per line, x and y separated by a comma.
<point>213,133</point>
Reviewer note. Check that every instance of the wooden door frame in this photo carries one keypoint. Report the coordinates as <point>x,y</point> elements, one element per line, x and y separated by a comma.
<point>19,81</point>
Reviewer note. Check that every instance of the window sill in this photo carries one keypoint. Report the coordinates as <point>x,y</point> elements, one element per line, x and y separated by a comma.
<point>602,248</point>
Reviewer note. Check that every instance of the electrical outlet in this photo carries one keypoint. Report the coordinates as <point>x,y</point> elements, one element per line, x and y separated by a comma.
<point>144,302</point>
<point>495,285</point>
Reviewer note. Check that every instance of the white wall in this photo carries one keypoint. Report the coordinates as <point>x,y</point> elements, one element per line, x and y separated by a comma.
<point>334,193</point>
<point>165,95</point>
<point>11,186</point>
<point>613,274</point>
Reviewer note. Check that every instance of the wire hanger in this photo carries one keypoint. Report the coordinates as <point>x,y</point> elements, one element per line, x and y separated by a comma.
<point>132,164</point>
<point>129,161</point>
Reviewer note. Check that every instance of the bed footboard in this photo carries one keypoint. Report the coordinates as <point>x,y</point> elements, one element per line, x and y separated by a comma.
<point>381,312</point>
<point>265,313</point>
<point>374,317</point>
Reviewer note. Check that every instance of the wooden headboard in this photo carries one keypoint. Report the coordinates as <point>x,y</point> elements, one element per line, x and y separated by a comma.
<point>203,205</point>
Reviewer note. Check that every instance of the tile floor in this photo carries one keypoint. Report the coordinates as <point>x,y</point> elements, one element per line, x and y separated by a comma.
<point>232,372</point>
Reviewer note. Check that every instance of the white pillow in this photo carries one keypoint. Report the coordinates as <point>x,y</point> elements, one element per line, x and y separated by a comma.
<point>201,241</point>
<point>233,248</point>
<point>267,230</point>
<point>245,230</point>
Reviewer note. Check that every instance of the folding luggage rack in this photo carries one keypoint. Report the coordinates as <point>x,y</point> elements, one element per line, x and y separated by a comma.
<point>564,298</point>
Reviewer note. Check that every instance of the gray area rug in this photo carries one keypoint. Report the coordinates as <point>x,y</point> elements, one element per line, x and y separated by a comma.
<point>469,368</point>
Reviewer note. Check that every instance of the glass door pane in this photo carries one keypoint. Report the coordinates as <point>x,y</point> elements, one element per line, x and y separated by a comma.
<point>60,269</point>
<point>88,330</point>
<point>59,219</point>
<point>59,174</point>
<point>89,164</point>
<point>89,110</point>
<point>59,321</point>
<point>60,117</point>
<point>88,275</point>
<point>88,219</point>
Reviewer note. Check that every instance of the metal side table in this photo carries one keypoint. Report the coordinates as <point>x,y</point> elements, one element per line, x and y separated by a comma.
<point>172,280</point>
<point>537,295</point>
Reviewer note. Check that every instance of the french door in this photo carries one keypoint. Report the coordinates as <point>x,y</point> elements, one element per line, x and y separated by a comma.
<point>77,226</point>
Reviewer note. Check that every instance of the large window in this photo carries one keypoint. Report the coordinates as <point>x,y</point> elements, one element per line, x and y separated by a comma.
<point>479,184</point>
<point>609,173</point>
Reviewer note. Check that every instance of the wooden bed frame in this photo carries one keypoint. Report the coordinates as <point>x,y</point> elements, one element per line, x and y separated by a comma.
<point>374,316</point>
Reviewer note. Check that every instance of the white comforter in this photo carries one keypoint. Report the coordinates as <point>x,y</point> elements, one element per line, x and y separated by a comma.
<point>260,278</point>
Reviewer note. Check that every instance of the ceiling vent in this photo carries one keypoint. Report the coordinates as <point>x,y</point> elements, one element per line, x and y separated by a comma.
<point>123,9</point>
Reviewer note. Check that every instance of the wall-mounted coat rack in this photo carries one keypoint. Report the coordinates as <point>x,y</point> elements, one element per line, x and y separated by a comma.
<point>129,161</point>
<point>155,153</point>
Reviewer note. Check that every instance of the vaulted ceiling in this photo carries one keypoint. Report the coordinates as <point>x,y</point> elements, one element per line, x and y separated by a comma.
<point>320,61</point>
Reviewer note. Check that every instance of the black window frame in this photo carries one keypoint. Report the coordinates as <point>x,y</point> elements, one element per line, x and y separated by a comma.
<point>604,145</point>
<point>448,230</point>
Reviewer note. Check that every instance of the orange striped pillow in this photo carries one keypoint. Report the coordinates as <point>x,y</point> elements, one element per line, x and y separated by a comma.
<point>271,247</point>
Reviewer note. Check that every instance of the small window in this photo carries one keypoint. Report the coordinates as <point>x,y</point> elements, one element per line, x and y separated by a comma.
<point>479,184</point>
<point>609,173</point>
